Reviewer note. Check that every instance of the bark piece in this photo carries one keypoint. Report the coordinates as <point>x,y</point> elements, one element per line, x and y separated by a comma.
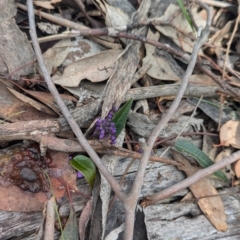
<point>15,49</point>
<point>185,221</point>
<point>126,66</point>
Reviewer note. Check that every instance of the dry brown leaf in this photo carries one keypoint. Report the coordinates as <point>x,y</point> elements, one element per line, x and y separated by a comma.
<point>227,170</point>
<point>115,17</point>
<point>81,48</point>
<point>46,4</point>
<point>62,168</point>
<point>236,168</point>
<point>209,202</point>
<point>48,99</point>
<point>230,134</point>
<point>96,68</point>
<point>33,103</point>
<point>84,218</point>
<point>14,199</point>
<point>120,81</point>
<point>217,38</point>
<point>48,28</point>
<point>179,22</point>
<point>14,110</point>
<point>161,68</point>
<point>225,153</point>
<point>56,55</point>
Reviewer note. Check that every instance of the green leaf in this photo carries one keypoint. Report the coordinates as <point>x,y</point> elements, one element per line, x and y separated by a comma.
<point>186,15</point>
<point>186,146</point>
<point>70,231</point>
<point>86,167</point>
<point>121,115</point>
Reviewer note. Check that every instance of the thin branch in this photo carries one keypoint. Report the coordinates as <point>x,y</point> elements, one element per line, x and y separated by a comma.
<point>190,180</point>
<point>75,128</point>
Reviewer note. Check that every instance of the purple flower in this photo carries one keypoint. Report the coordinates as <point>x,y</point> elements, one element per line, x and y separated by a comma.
<point>79,174</point>
<point>106,128</point>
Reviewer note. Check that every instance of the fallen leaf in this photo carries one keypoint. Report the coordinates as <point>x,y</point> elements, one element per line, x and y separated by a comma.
<point>48,99</point>
<point>56,55</point>
<point>115,17</point>
<point>14,110</point>
<point>46,4</point>
<point>236,168</point>
<point>84,218</point>
<point>161,68</point>
<point>181,31</point>
<point>230,134</point>
<point>62,168</point>
<point>39,106</point>
<point>211,206</point>
<point>70,230</point>
<point>81,48</point>
<point>48,28</point>
<point>96,68</point>
<point>228,169</point>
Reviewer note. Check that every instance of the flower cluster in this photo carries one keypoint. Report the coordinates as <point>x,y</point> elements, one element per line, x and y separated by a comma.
<point>106,127</point>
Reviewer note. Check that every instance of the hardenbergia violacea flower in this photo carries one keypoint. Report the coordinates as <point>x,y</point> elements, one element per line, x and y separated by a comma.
<point>106,127</point>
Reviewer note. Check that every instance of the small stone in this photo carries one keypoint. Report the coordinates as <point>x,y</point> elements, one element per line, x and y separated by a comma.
<point>28,174</point>
<point>34,187</point>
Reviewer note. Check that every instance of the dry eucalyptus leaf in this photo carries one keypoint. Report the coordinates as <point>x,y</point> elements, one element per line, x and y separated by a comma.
<point>218,37</point>
<point>115,17</point>
<point>46,4</point>
<point>84,218</point>
<point>236,168</point>
<point>230,134</point>
<point>165,67</point>
<point>81,48</point>
<point>39,106</point>
<point>161,68</point>
<point>212,207</point>
<point>48,99</point>
<point>183,29</point>
<point>55,56</point>
<point>225,153</point>
<point>49,28</point>
<point>96,68</point>
<point>14,110</point>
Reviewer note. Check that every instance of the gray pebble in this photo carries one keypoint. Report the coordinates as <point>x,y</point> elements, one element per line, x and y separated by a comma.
<point>28,174</point>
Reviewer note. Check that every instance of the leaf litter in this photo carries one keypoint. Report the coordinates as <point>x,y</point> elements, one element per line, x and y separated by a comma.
<point>110,64</point>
